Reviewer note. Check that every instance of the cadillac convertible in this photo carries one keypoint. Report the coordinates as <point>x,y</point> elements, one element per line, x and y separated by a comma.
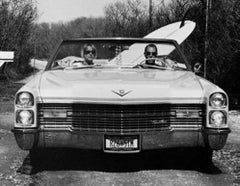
<point>119,103</point>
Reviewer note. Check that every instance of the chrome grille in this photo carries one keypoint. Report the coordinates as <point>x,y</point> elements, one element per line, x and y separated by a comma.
<point>121,118</point>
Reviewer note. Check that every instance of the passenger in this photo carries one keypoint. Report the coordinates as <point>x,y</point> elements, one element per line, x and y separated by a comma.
<point>150,54</point>
<point>89,53</point>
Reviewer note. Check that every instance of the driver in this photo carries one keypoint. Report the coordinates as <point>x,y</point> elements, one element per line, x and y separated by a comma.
<point>89,53</point>
<point>150,53</point>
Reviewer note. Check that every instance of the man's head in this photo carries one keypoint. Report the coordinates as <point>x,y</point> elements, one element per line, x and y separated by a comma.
<point>150,52</point>
<point>89,53</point>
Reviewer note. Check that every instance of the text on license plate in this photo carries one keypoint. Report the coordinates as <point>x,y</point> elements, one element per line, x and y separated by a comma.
<point>121,143</point>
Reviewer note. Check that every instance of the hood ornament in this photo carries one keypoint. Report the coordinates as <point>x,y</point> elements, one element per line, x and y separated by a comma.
<point>121,92</point>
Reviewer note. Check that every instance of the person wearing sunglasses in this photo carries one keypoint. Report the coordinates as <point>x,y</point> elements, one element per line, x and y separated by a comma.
<point>89,53</point>
<point>150,53</point>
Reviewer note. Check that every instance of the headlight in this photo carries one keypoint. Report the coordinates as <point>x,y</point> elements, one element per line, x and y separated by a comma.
<point>25,117</point>
<point>218,100</point>
<point>217,118</point>
<point>24,99</point>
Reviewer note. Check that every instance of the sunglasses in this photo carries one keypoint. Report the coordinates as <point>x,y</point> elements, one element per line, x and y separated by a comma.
<point>89,51</point>
<point>151,53</point>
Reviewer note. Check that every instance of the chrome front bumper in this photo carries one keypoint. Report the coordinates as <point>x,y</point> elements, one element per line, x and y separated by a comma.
<point>28,139</point>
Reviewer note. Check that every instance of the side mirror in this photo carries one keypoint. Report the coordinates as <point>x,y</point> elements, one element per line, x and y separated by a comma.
<point>197,68</point>
<point>6,56</point>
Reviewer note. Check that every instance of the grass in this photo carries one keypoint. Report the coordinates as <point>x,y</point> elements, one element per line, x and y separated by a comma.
<point>7,93</point>
<point>8,90</point>
<point>234,121</point>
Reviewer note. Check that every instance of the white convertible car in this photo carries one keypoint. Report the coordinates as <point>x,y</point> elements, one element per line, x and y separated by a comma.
<point>120,104</point>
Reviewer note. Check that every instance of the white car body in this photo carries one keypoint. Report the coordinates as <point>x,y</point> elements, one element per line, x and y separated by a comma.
<point>119,106</point>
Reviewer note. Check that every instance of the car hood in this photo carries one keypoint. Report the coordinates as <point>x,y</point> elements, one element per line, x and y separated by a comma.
<point>135,85</point>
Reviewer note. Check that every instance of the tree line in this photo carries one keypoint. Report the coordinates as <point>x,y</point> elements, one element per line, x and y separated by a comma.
<point>130,18</point>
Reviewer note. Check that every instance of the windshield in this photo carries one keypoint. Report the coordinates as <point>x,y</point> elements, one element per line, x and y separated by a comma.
<point>81,54</point>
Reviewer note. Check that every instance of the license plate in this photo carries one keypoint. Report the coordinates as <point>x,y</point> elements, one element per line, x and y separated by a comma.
<point>121,143</point>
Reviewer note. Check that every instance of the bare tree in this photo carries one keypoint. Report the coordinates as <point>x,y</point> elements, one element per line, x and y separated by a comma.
<point>16,21</point>
<point>127,18</point>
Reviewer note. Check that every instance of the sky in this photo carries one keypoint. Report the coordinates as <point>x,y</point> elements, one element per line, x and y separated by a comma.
<point>66,10</point>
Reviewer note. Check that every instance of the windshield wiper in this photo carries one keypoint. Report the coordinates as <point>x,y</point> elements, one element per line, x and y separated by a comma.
<point>151,66</point>
<point>180,68</point>
<point>80,67</point>
<point>57,68</point>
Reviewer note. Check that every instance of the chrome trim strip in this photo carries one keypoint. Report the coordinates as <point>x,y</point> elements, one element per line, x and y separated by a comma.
<point>122,100</point>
